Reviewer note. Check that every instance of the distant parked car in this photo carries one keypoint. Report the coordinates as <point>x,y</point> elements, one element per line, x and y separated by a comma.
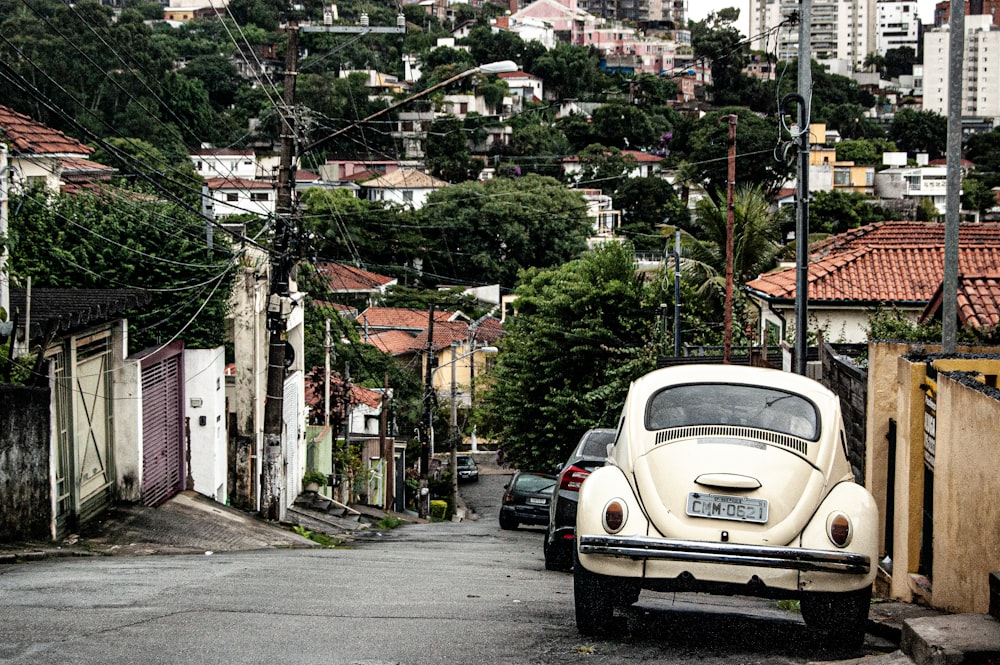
<point>467,468</point>
<point>728,480</point>
<point>526,499</point>
<point>590,453</point>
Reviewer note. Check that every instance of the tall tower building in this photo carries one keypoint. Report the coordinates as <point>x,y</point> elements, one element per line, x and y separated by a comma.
<point>842,31</point>
<point>980,68</point>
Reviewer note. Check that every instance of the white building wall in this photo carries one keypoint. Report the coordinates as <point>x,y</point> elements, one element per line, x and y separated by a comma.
<point>247,201</point>
<point>981,68</point>
<point>897,24</point>
<point>205,410</point>
<point>225,166</point>
<point>843,31</point>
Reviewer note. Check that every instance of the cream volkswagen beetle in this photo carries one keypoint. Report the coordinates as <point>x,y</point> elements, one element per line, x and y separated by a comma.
<point>728,480</point>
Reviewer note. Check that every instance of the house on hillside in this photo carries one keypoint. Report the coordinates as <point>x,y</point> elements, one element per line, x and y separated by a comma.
<point>883,265</point>
<point>647,165</point>
<point>40,156</point>
<point>347,284</point>
<point>404,187</point>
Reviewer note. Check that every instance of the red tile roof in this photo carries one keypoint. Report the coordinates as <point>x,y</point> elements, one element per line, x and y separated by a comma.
<point>885,262</point>
<point>238,183</point>
<point>25,136</point>
<point>978,301</point>
<point>445,333</point>
<point>399,318</point>
<point>315,383</point>
<point>343,278</point>
<point>489,330</point>
<point>394,342</point>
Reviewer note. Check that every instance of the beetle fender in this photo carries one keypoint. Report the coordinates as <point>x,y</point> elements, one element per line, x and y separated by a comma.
<point>857,503</point>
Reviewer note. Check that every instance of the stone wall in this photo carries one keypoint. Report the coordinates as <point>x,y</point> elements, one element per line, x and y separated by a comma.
<point>25,495</point>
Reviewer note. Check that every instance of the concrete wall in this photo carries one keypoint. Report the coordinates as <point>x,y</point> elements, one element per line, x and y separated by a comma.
<point>205,410</point>
<point>25,464</point>
<point>127,425</point>
<point>966,513</point>
<point>901,387</point>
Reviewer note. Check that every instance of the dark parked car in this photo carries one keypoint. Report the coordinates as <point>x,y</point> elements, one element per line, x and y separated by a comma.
<point>590,453</point>
<point>467,468</point>
<point>526,499</point>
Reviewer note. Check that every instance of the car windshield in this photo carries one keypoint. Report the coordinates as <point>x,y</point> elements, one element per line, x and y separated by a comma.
<point>465,460</point>
<point>530,482</point>
<point>727,404</point>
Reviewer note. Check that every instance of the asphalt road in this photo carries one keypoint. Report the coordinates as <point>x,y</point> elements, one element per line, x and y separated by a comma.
<point>440,593</point>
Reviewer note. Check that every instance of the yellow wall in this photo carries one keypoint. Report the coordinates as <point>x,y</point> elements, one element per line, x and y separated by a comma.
<point>965,475</point>
<point>966,484</point>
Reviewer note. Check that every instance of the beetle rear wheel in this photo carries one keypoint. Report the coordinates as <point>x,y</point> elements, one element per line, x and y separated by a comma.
<point>841,616</point>
<point>597,596</point>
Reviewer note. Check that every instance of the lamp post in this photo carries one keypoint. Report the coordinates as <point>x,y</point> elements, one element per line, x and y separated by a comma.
<point>499,67</point>
<point>453,462</point>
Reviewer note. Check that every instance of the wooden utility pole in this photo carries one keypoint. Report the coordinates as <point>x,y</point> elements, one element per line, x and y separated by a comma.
<point>727,340</point>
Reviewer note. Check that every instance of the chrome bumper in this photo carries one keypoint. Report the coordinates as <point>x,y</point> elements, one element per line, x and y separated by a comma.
<point>761,556</point>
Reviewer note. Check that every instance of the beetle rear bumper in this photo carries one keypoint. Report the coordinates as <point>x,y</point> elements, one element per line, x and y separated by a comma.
<point>761,556</point>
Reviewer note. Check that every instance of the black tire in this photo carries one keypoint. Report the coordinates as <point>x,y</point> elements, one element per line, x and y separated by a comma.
<point>556,558</point>
<point>507,523</point>
<point>596,598</point>
<point>841,617</point>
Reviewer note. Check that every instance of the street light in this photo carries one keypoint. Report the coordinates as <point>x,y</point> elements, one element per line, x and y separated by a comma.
<point>499,67</point>
<point>489,350</point>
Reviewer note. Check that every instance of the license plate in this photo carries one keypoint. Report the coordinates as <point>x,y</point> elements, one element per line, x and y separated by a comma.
<point>535,501</point>
<point>725,507</point>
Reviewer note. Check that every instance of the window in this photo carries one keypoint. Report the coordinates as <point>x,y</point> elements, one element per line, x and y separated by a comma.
<point>260,196</point>
<point>232,196</point>
<point>728,404</point>
<point>408,195</point>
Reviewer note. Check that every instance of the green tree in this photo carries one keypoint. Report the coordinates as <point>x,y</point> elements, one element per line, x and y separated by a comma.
<point>447,151</point>
<point>984,151</point>
<point>569,72</point>
<point>581,335</point>
<point>623,126</point>
<point>603,168</point>
<point>647,204</point>
<point>115,240</point>
<point>919,131</point>
<point>836,212</point>
<point>542,146</point>
<point>977,195</point>
<point>718,40</point>
<point>492,230</point>
<point>867,152</point>
<point>755,163</point>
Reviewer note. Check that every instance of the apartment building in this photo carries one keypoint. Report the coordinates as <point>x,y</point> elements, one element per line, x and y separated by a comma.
<point>842,32</point>
<point>980,67</point>
<point>897,25</point>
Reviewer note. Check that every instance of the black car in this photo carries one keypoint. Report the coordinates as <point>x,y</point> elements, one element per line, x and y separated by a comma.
<point>526,499</point>
<point>467,468</point>
<point>590,453</point>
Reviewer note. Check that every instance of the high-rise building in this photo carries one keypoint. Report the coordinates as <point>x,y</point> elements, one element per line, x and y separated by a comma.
<point>842,31</point>
<point>980,68</point>
<point>897,24</point>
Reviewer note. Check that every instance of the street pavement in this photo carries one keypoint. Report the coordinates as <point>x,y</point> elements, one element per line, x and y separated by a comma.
<point>190,523</point>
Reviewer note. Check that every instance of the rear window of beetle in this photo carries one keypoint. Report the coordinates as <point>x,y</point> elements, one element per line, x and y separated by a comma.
<point>733,404</point>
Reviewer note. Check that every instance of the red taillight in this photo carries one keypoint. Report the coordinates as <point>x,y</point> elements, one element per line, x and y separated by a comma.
<point>572,477</point>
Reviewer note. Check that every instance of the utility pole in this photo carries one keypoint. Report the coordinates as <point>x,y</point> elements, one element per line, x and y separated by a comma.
<point>272,506</point>
<point>802,209</point>
<point>453,430</point>
<point>386,450</point>
<point>427,430</point>
<point>727,343</point>
<point>953,168</point>
<point>677,293</point>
